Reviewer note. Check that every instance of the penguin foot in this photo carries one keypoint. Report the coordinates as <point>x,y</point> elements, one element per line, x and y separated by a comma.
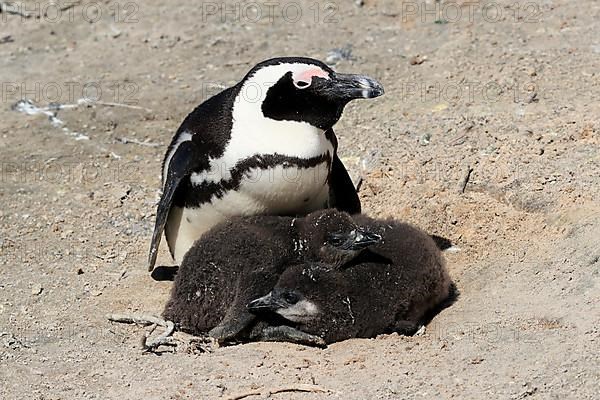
<point>164,273</point>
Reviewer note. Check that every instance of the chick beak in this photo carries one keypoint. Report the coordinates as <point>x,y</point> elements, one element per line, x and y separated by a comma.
<point>364,239</point>
<point>263,304</point>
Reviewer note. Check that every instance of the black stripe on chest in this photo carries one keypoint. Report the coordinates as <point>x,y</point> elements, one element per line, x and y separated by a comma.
<point>189,195</point>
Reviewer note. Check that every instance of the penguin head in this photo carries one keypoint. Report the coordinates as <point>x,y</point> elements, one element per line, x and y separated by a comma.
<point>312,296</point>
<point>303,90</point>
<point>334,238</point>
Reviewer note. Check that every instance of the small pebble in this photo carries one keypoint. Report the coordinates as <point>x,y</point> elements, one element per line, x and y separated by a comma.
<point>37,289</point>
<point>417,60</point>
<point>421,331</point>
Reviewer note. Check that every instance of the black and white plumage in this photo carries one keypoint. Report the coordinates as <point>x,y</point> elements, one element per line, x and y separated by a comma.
<point>263,146</point>
<point>392,287</point>
<point>242,258</point>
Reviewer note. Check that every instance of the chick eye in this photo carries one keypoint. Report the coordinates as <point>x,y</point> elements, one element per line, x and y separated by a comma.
<point>337,238</point>
<point>301,84</point>
<point>291,298</point>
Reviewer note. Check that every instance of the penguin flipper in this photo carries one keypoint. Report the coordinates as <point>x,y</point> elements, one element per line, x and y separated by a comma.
<point>230,328</point>
<point>285,333</point>
<point>342,193</point>
<point>185,160</point>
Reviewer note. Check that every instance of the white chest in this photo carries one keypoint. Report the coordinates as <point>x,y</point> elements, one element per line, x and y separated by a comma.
<point>286,188</point>
<point>268,159</point>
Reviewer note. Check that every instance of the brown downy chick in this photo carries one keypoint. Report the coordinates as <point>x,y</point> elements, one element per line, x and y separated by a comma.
<point>241,259</point>
<point>391,289</point>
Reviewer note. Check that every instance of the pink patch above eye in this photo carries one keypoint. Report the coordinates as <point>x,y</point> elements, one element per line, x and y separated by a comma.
<point>307,75</point>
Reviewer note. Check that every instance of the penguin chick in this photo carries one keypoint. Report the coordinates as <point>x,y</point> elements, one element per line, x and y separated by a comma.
<point>392,288</point>
<point>241,259</point>
<point>263,146</point>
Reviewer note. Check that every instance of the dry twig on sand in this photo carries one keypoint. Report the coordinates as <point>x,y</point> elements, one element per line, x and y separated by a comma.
<point>148,343</point>
<point>195,344</point>
<point>146,142</point>
<point>268,392</point>
<point>465,180</point>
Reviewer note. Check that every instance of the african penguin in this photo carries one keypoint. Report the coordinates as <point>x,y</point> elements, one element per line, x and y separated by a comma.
<point>242,258</point>
<point>392,287</point>
<point>263,146</point>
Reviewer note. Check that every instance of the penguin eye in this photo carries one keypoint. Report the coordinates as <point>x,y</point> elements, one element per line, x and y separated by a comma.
<point>291,297</point>
<point>301,84</point>
<point>336,238</point>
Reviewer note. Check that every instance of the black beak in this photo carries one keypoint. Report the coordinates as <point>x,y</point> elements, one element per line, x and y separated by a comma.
<point>264,304</point>
<point>351,86</point>
<point>364,239</point>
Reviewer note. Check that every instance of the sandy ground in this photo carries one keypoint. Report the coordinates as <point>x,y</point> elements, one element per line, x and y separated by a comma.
<point>508,89</point>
